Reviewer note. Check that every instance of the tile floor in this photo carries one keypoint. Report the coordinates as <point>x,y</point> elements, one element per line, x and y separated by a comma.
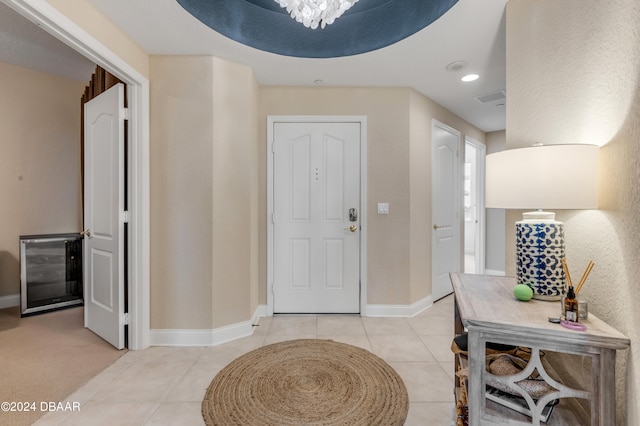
<point>166,385</point>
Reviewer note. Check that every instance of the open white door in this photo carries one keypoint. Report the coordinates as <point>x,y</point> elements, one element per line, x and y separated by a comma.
<point>316,217</point>
<point>104,215</point>
<point>446,205</point>
<point>474,211</point>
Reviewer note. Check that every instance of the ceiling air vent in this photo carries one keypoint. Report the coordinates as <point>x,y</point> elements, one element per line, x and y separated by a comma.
<point>490,97</point>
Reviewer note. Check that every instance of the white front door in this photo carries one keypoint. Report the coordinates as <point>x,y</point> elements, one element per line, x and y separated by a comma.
<point>103,215</point>
<point>316,217</point>
<point>446,205</point>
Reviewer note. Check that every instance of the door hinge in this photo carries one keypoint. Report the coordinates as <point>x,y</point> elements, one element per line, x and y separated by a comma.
<point>273,218</point>
<point>124,113</point>
<point>124,216</point>
<point>273,147</point>
<point>124,319</point>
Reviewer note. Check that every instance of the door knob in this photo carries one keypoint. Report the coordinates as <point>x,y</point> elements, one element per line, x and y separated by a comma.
<point>86,233</point>
<point>436,227</point>
<point>353,228</point>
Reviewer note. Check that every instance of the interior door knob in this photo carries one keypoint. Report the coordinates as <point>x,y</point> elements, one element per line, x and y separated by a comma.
<point>353,228</point>
<point>436,227</point>
<point>86,233</point>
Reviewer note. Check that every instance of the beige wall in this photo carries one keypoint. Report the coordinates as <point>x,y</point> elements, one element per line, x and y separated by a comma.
<point>572,76</point>
<point>235,194</point>
<point>203,193</point>
<point>398,157</point>
<point>181,176</point>
<point>86,16</point>
<point>39,162</point>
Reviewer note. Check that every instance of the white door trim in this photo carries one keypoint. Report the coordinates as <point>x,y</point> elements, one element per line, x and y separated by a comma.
<point>480,191</point>
<point>61,27</point>
<point>271,120</point>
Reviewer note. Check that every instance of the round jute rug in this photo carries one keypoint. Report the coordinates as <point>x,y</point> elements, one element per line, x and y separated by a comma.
<point>306,382</point>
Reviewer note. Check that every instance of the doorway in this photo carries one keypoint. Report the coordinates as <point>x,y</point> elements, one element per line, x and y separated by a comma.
<point>474,212</point>
<point>316,214</point>
<point>50,19</point>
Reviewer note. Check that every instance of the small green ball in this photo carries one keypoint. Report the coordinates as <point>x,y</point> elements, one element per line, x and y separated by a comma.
<point>523,292</point>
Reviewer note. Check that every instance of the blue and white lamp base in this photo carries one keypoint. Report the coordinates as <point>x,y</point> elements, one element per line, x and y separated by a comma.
<point>539,253</point>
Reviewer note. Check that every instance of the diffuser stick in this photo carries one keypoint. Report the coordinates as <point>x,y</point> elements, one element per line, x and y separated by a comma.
<point>584,276</point>
<point>566,272</point>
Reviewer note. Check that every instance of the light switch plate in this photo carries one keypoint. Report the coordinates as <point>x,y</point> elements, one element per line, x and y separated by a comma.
<point>383,208</point>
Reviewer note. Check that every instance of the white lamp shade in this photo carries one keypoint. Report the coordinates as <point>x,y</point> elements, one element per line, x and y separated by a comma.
<point>543,177</point>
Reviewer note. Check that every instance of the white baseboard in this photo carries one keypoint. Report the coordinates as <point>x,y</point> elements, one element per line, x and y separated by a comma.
<point>9,301</point>
<point>399,310</point>
<point>494,272</point>
<point>213,337</point>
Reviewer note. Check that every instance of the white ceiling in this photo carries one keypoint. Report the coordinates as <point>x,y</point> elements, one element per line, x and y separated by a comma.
<point>24,44</point>
<point>473,31</point>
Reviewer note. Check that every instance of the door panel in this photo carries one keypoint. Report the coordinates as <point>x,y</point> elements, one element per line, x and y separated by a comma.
<point>316,181</point>
<point>104,200</point>
<point>446,205</point>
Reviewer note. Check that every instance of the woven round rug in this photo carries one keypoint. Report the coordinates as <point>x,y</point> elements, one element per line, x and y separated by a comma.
<point>306,382</point>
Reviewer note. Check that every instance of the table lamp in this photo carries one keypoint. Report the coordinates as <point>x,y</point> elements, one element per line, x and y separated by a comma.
<point>542,177</point>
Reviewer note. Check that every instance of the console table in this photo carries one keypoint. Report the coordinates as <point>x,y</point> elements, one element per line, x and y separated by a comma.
<point>486,307</point>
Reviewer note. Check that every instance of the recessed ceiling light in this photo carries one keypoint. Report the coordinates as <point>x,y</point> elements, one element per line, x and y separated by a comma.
<point>470,77</point>
<point>456,66</point>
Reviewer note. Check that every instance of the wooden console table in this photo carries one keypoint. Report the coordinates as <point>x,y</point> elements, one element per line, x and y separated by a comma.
<point>486,307</point>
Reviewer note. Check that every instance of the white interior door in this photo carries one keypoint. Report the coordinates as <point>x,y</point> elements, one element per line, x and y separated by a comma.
<point>316,223</point>
<point>446,205</point>
<point>104,215</point>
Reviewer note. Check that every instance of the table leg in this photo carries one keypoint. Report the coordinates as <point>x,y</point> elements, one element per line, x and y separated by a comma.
<point>475,394</point>
<point>604,389</point>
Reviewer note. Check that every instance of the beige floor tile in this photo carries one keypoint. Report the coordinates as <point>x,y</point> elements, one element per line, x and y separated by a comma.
<point>393,326</point>
<point>144,382</point>
<point>432,325</point>
<point>449,368</point>
<point>431,414</point>
<point>340,325</point>
<point>194,384</point>
<point>225,353</point>
<point>177,413</point>
<point>400,348</point>
<point>165,385</point>
<point>276,338</point>
<point>171,354</point>
<point>439,346</point>
<point>262,326</point>
<point>99,413</point>
<point>350,339</point>
<point>293,325</point>
<point>425,382</point>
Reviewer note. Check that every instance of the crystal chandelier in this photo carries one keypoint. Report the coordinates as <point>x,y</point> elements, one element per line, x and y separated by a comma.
<point>313,12</point>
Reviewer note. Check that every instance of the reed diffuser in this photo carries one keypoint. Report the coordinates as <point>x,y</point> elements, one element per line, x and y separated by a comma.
<point>570,305</point>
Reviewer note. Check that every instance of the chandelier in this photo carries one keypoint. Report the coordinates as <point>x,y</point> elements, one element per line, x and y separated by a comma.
<point>312,13</point>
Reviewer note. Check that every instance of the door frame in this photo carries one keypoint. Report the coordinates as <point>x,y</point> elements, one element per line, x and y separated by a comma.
<point>481,150</point>
<point>59,26</point>
<point>362,120</point>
